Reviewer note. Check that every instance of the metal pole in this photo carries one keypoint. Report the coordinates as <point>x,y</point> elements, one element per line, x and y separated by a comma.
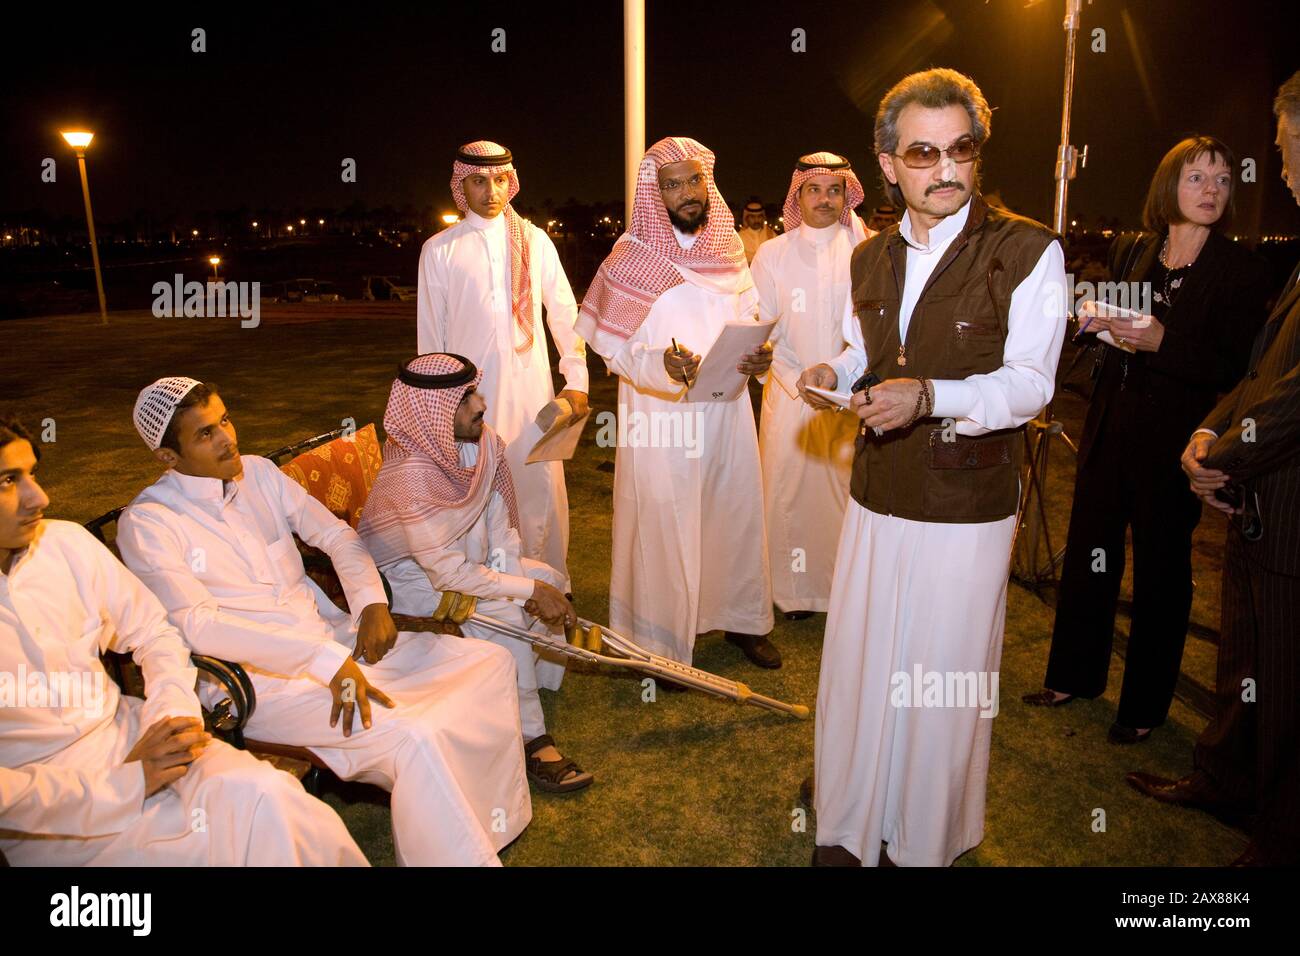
<point>1067,155</point>
<point>1026,545</point>
<point>94,247</point>
<point>633,100</point>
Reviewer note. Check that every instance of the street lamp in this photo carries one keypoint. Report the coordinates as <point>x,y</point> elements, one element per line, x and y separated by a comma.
<point>216,261</point>
<point>79,140</point>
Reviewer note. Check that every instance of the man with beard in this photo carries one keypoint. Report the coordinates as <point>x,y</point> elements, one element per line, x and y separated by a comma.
<point>959,312</point>
<point>689,553</point>
<point>213,538</point>
<point>442,517</point>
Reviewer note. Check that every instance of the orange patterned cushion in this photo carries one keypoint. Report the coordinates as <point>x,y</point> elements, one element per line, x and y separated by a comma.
<point>340,474</point>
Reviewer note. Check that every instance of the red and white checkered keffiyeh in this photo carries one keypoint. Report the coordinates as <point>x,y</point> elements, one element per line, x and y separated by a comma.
<point>825,163</point>
<point>424,499</point>
<point>521,291</point>
<point>640,267</point>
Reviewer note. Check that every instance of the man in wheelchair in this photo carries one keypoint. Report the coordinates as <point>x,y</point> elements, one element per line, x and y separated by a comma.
<point>89,776</point>
<point>213,538</point>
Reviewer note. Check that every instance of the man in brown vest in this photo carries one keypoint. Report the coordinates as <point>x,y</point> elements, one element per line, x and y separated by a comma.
<point>959,312</point>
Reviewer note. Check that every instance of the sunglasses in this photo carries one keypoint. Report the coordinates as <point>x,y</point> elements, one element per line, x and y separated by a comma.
<point>923,156</point>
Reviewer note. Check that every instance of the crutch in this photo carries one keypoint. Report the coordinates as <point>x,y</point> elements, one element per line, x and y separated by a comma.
<point>587,642</point>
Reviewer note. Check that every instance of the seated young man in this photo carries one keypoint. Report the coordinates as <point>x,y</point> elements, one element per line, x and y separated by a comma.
<point>442,517</point>
<point>89,776</point>
<point>213,539</point>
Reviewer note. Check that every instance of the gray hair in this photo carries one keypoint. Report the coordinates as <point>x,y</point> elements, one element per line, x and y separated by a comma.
<point>1288,98</point>
<point>933,89</point>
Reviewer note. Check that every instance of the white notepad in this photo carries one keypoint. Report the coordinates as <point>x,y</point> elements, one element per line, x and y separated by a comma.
<point>717,379</point>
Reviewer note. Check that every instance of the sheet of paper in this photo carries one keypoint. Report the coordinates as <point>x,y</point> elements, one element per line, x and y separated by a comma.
<point>839,398</point>
<point>559,434</point>
<point>717,379</point>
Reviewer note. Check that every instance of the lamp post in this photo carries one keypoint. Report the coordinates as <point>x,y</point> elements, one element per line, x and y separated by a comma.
<point>79,140</point>
<point>215,261</point>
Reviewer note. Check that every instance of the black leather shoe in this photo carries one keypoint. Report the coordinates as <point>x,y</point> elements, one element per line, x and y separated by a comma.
<point>1119,734</point>
<point>1045,698</point>
<point>757,648</point>
<point>833,856</point>
<point>1194,791</point>
<point>798,615</point>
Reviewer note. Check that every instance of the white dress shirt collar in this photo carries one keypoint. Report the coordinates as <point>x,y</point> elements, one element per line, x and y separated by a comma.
<point>940,233</point>
<point>818,236</point>
<point>478,222</point>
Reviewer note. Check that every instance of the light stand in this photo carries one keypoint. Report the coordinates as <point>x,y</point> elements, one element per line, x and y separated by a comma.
<point>1031,535</point>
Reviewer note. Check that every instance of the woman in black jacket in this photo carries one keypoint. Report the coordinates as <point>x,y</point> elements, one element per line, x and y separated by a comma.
<point>1202,298</point>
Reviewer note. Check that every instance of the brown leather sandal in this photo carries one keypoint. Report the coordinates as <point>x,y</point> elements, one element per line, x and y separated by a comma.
<point>554,776</point>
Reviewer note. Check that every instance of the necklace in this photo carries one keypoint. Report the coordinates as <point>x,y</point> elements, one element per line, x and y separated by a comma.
<point>1170,284</point>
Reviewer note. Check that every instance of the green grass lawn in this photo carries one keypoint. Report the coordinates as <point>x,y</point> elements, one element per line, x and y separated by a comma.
<point>684,780</point>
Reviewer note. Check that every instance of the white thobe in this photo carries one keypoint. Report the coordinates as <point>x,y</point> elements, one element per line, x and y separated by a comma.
<point>464,307</point>
<point>67,798</point>
<point>486,562</point>
<point>753,239</point>
<point>690,552</point>
<point>224,564</point>
<point>917,598</point>
<point>802,279</point>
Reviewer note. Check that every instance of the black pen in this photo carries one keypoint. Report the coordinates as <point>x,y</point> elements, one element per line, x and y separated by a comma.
<point>678,351</point>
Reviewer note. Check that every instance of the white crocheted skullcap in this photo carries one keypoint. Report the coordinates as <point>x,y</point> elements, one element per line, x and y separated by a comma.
<point>156,405</point>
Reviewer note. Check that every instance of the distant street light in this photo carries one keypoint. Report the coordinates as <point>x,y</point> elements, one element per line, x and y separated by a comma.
<point>450,219</point>
<point>194,233</point>
<point>254,223</point>
<point>79,140</point>
<point>289,227</point>
<point>216,261</point>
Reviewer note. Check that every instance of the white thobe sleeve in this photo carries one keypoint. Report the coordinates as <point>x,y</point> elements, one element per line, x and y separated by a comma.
<point>1009,396</point>
<point>430,306</point>
<point>318,526</point>
<point>450,570</point>
<point>785,361</point>
<point>71,801</point>
<point>161,560</point>
<point>141,627</point>
<point>852,361</point>
<point>561,313</point>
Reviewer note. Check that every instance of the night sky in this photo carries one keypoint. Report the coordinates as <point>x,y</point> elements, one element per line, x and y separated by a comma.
<point>267,114</point>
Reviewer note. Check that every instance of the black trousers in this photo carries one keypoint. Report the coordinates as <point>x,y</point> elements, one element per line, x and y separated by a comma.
<point>1130,475</point>
<point>1251,748</point>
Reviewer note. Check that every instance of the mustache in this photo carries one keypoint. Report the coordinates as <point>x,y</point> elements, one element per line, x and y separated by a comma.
<point>935,187</point>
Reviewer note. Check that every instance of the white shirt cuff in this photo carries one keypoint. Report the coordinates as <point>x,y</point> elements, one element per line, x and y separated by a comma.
<point>953,398</point>
<point>327,662</point>
<point>515,587</point>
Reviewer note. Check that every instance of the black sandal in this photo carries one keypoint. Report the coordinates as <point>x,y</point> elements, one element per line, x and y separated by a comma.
<point>550,775</point>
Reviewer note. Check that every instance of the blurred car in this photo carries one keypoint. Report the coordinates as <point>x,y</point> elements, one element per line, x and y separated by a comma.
<point>386,289</point>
